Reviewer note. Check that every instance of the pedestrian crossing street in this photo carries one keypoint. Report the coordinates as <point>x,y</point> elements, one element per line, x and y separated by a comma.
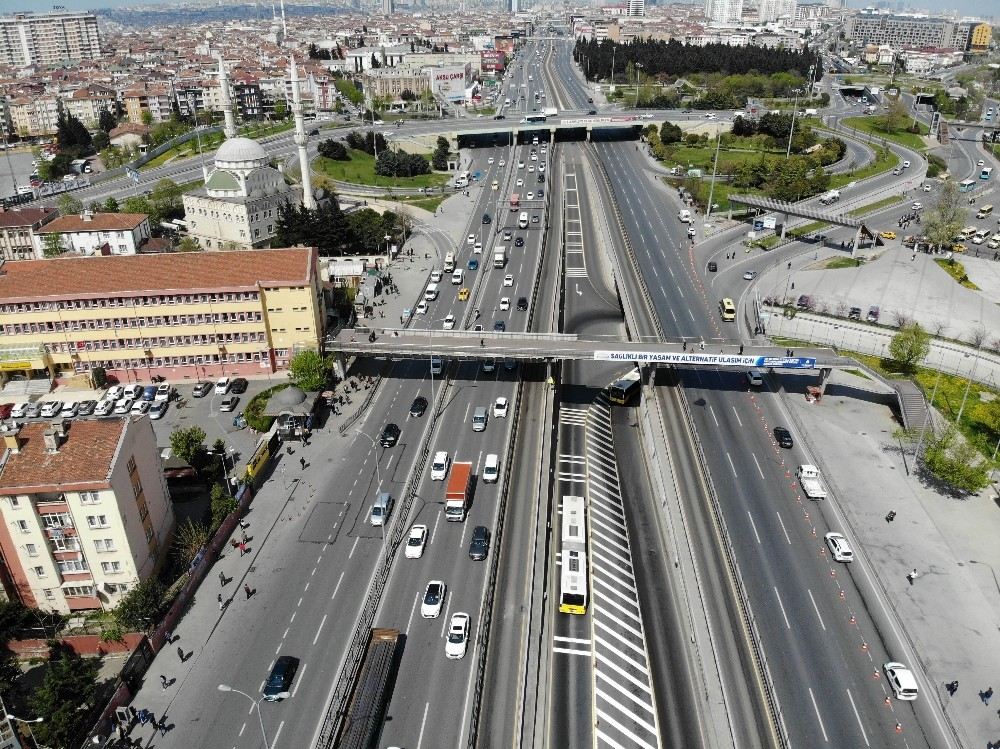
<point>624,709</point>
<point>575,263</point>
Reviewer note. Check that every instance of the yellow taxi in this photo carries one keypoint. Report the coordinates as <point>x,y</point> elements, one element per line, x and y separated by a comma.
<point>463,294</point>
<point>958,248</point>
<point>888,235</point>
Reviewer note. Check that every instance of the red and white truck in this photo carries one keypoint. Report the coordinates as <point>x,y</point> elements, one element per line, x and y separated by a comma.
<point>456,494</point>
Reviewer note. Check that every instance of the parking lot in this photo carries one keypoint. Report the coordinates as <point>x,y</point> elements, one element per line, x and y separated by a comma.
<point>183,410</point>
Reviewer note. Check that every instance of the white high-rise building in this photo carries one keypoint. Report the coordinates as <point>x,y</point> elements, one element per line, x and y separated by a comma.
<point>724,11</point>
<point>388,7</point>
<point>636,7</point>
<point>48,38</point>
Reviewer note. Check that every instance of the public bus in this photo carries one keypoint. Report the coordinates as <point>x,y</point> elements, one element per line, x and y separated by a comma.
<point>540,117</point>
<point>462,180</point>
<point>515,202</point>
<point>967,185</point>
<point>573,558</point>
<point>986,173</point>
<point>621,391</point>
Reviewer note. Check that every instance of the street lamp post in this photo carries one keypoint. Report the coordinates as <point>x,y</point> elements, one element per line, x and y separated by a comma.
<point>638,67</point>
<point>255,703</point>
<point>795,109</point>
<point>28,724</point>
<point>429,331</point>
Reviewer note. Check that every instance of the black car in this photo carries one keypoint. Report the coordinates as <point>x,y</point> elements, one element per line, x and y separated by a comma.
<point>486,218</point>
<point>418,406</point>
<point>279,682</point>
<point>855,313</point>
<point>202,389</point>
<point>541,178</point>
<point>541,193</point>
<point>314,131</point>
<point>479,546</point>
<point>500,326</point>
<point>390,435</point>
<point>86,408</point>
<point>687,111</point>
<point>499,117</point>
<point>783,436</point>
<point>522,303</point>
<point>590,100</point>
<point>239,385</point>
<point>591,111</point>
<point>713,267</point>
<point>519,242</point>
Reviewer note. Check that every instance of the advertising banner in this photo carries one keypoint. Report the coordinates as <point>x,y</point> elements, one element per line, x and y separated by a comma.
<point>492,61</point>
<point>708,360</point>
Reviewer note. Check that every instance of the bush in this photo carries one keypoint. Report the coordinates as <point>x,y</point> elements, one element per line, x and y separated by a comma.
<point>334,149</point>
<point>401,164</point>
<point>254,412</point>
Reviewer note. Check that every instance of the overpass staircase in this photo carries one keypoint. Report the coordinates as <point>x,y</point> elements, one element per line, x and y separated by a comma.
<point>913,407</point>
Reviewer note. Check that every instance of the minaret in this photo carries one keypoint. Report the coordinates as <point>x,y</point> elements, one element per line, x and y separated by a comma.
<point>284,26</point>
<point>308,201</point>
<point>229,128</point>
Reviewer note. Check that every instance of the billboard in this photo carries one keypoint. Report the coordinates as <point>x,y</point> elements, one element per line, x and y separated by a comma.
<point>451,81</point>
<point>710,360</point>
<point>504,44</point>
<point>492,61</point>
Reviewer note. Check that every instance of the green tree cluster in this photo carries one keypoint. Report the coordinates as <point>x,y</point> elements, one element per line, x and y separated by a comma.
<point>324,227</point>
<point>369,141</point>
<point>310,370</point>
<point>909,347</point>
<point>73,136</point>
<point>164,131</point>
<point>955,462</point>
<point>164,203</point>
<point>141,606</point>
<point>439,159</point>
<point>69,686</point>
<point>350,91</point>
<point>188,443</point>
<point>333,149</point>
<point>946,216</point>
<point>401,164</point>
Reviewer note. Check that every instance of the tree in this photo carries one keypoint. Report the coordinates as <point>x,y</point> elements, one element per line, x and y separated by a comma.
<point>439,159</point>
<point>946,217</point>
<point>140,606</point>
<point>955,461</point>
<point>69,686</point>
<point>51,170</point>
<point>309,370</point>
<point>334,149</point>
<point>101,140</point>
<point>671,133</point>
<point>187,443</point>
<point>910,346</point>
<point>223,504</point>
<point>895,115</point>
<point>189,539</point>
<point>69,205</point>
<point>107,121</point>
<point>188,244</point>
<point>110,205</point>
<point>146,117</point>
<point>72,135</point>
<point>52,245</point>
<point>280,109</point>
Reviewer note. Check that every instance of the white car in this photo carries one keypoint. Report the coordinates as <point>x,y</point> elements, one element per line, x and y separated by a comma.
<point>123,405</point>
<point>749,275</point>
<point>158,410</point>
<point>439,465</point>
<point>458,636</point>
<point>839,547</point>
<point>531,196</point>
<point>927,188</point>
<point>500,408</point>
<point>471,239</point>
<point>449,322</point>
<point>69,409</point>
<point>495,185</point>
<point>901,681</point>
<point>541,167</point>
<point>906,164</point>
<point>140,408</point>
<point>104,408</point>
<point>50,409</point>
<point>132,391</point>
<point>19,411</point>
<point>711,116</point>
<point>980,163</point>
<point>531,167</point>
<point>416,541</point>
<point>755,377</point>
<point>421,308</point>
<point>430,607</point>
<point>115,392</point>
<point>163,392</point>
<point>520,165</point>
<point>504,304</point>
<point>916,205</point>
<point>520,182</point>
<point>477,248</point>
<point>691,231</point>
<point>222,386</point>
<point>502,163</point>
<point>490,160</point>
<point>508,280</point>
<point>534,156</point>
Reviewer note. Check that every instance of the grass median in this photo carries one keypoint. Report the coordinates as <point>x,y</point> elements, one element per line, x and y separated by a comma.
<point>875,127</point>
<point>360,170</point>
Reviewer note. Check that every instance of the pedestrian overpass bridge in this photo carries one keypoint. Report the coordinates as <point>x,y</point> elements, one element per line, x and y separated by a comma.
<point>800,210</point>
<point>404,343</point>
<point>566,124</point>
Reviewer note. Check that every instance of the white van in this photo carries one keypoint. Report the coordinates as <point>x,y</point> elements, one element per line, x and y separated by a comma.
<point>491,469</point>
<point>431,292</point>
<point>457,277</point>
<point>684,216</point>
<point>449,262</point>
<point>522,220</point>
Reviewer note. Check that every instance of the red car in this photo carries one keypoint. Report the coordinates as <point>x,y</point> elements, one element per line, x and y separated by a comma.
<point>5,409</point>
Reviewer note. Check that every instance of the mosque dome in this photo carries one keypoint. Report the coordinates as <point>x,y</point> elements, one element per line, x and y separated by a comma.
<point>240,153</point>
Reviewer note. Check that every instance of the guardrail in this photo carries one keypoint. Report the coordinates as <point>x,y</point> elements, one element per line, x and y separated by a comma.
<point>336,709</point>
<point>362,408</point>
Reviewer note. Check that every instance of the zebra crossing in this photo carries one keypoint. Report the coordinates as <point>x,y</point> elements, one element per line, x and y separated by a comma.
<point>624,706</point>
<point>574,262</point>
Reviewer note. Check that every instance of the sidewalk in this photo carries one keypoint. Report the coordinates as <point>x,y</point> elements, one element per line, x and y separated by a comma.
<point>950,612</point>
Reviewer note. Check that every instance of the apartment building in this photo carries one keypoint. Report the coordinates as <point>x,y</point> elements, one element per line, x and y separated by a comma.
<point>181,315</point>
<point>86,511</point>
<point>34,117</point>
<point>19,239</point>
<point>100,233</point>
<point>48,38</point>
<point>724,11</point>
<point>910,32</point>
<point>86,104</point>
<point>390,83</point>
<point>155,98</point>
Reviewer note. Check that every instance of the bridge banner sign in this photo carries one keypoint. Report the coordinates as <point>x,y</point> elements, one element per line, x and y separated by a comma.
<point>707,360</point>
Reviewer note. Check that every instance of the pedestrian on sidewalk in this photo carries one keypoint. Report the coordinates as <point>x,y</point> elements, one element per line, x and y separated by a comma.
<point>243,548</point>
<point>952,687</point>
<point>246,589</point>
<point>180,652</point>
<point>163,681</point>
<point>162,726</point>
<point>219,599</point>
<point>222,578</point>
<point>890,516</point>
<point>302,463</point>
<point>987,695</point>
<point>243,536</point>
<point>913,575</point>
